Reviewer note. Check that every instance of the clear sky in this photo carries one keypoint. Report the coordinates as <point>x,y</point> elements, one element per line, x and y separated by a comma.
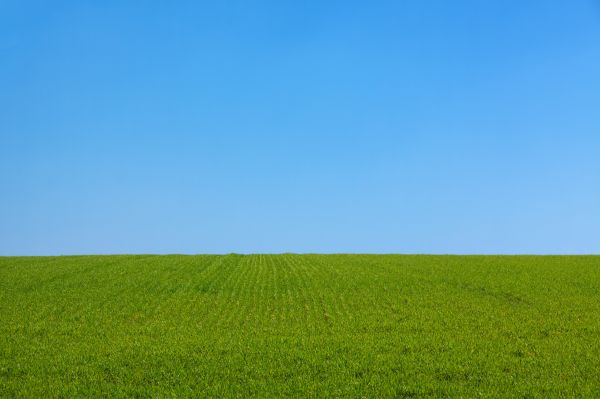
<point>300,126</point>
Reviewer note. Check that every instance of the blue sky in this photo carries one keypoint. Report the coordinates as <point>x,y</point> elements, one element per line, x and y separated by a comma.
<point>275,126</point>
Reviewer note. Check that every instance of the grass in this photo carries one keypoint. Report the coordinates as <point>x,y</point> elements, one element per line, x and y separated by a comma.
<point>300,325</point>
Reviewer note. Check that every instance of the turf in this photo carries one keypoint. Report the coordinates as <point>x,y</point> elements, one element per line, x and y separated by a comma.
<point>300,325</point>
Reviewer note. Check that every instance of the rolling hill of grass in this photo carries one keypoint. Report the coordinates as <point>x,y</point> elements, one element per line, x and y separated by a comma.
<point>300,325</point>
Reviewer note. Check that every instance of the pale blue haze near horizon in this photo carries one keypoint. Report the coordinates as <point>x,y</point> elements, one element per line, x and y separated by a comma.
<point>317,126</point>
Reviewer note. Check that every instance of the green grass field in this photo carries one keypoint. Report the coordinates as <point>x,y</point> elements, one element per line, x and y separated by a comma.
<point>300,325</point>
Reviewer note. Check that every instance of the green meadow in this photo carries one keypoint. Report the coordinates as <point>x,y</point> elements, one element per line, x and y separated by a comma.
<point>322,326</point>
